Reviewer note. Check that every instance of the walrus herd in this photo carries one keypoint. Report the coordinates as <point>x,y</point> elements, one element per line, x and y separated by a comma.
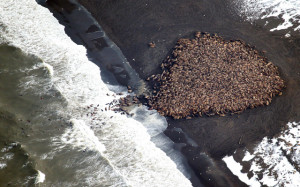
<point>208,75</point>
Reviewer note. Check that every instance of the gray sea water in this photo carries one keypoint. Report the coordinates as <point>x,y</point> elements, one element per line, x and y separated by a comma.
<point>55,126</point>
<point>16,168</point>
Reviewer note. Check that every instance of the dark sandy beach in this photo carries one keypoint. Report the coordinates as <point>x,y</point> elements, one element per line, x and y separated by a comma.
<point>133,24</point>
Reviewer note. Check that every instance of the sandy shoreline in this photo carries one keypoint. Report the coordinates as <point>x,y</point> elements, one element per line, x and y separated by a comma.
<point>133,25</point>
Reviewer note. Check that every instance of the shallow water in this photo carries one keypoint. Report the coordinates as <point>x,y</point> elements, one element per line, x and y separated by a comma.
<point>57,99</point>
<point>16,167</point>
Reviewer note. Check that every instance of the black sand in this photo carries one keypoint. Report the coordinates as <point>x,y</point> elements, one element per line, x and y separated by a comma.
<point>133,24</point>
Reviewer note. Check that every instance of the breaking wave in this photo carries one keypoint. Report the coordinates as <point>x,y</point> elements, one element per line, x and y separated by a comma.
<point>124,154</point>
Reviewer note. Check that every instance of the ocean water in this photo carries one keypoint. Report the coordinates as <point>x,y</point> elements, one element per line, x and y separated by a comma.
<point>54,117</point>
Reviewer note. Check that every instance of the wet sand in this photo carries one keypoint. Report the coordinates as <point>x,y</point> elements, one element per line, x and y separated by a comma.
<point>133,24</point>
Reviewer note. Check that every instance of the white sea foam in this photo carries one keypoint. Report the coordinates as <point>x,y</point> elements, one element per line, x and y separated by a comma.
<point>82,135</point>
<point>2,165</point>
<point>7,156</point>
<point>49,67</point>
<point>123,142</point>
<point>286,10</point>
<point>276,160</point>
<point>40,177</point>
<point>155,125</point>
